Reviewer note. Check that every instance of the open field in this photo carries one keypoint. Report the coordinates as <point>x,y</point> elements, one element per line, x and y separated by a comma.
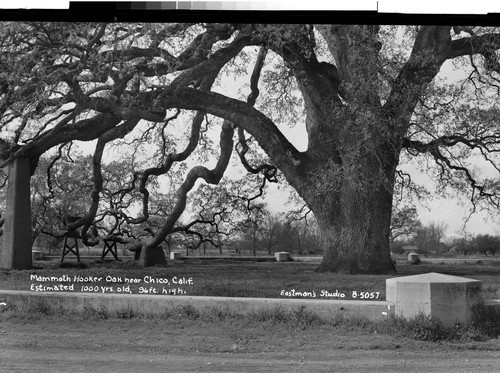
<point>238,279</point>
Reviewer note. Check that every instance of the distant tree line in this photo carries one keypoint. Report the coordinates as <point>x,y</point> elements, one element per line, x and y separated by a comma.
<point>431,239</point>
<point>485,244</point>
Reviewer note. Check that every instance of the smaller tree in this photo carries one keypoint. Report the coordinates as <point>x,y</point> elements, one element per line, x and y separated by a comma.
<point>464,246</point>
<point>404,223</point>
<point>303,226</point>
<point>274,232</point>
<point>486,244</point>
<point>58,187</point>
<point>430,237</point>
<point>307,239</point>
<point>251,228</point>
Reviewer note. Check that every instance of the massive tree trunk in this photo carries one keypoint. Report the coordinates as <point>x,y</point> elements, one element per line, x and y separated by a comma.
<point>350,191</point>
<point>348,177</point>
<point>354,224</point>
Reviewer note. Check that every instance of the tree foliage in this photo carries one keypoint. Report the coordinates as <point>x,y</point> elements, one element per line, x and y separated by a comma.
<point>404,223</point>
<point>429,238</point>
<point>372,96</point>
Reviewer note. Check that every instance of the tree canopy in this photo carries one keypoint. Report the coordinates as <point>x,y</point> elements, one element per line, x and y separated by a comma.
<point>369,96</point>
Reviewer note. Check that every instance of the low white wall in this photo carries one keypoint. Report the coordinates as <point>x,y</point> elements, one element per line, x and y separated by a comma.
<point>114,303</point>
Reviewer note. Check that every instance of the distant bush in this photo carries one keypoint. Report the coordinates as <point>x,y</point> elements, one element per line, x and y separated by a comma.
<point>487,319</point>
<point>484,325</point>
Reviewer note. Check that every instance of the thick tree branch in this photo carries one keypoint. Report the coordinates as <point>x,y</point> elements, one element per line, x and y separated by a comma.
<point>196,53</point>
<point>434,148</point>
<point>242,147</point>
<point>477,44</point>
<point>83,130</point>
<point>87,220</point>
<point>144,176</point>
<point>431,48</point>
<point>270,138</point>
<point>197,172</point>
<point>452,140</point>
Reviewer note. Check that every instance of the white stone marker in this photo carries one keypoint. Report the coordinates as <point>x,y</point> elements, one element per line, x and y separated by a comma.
<point>413,258</point>
<point>174,255</point>
<point>282,256</point>
<point>446,299</point>
<point>37,254</point>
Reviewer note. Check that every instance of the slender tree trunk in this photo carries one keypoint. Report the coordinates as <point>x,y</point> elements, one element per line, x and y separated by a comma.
<point>254,239</point>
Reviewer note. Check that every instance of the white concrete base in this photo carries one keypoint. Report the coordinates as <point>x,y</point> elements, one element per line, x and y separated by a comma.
<point>157,304</point>
<point>446,299</point>
<point>283,256</point>
<point>414,258</point>
<point>174,255</point>
<point>493,303</point>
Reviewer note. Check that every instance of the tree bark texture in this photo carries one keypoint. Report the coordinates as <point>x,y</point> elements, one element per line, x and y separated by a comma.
<point>350,193</point>
<point>354,228</point>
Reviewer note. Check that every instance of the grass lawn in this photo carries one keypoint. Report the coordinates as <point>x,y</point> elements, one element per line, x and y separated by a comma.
<point>234,279</point>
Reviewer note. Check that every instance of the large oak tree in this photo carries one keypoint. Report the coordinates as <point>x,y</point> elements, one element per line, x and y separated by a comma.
<point>370,96</point>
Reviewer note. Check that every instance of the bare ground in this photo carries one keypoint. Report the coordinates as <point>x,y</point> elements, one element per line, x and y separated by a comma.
<point>50,344</point>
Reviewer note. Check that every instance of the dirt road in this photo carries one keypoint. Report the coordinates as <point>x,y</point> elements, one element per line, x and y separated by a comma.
<point>48,344</point>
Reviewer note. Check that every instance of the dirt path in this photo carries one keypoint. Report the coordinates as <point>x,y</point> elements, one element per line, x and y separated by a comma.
<point>62,345</point>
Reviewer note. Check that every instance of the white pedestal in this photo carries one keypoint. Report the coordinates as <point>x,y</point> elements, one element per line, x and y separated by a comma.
<point>446,299</point>
<point>174,255</point>
<point>37,254</point>
<point>414,258</point>
<point>283,256</point>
